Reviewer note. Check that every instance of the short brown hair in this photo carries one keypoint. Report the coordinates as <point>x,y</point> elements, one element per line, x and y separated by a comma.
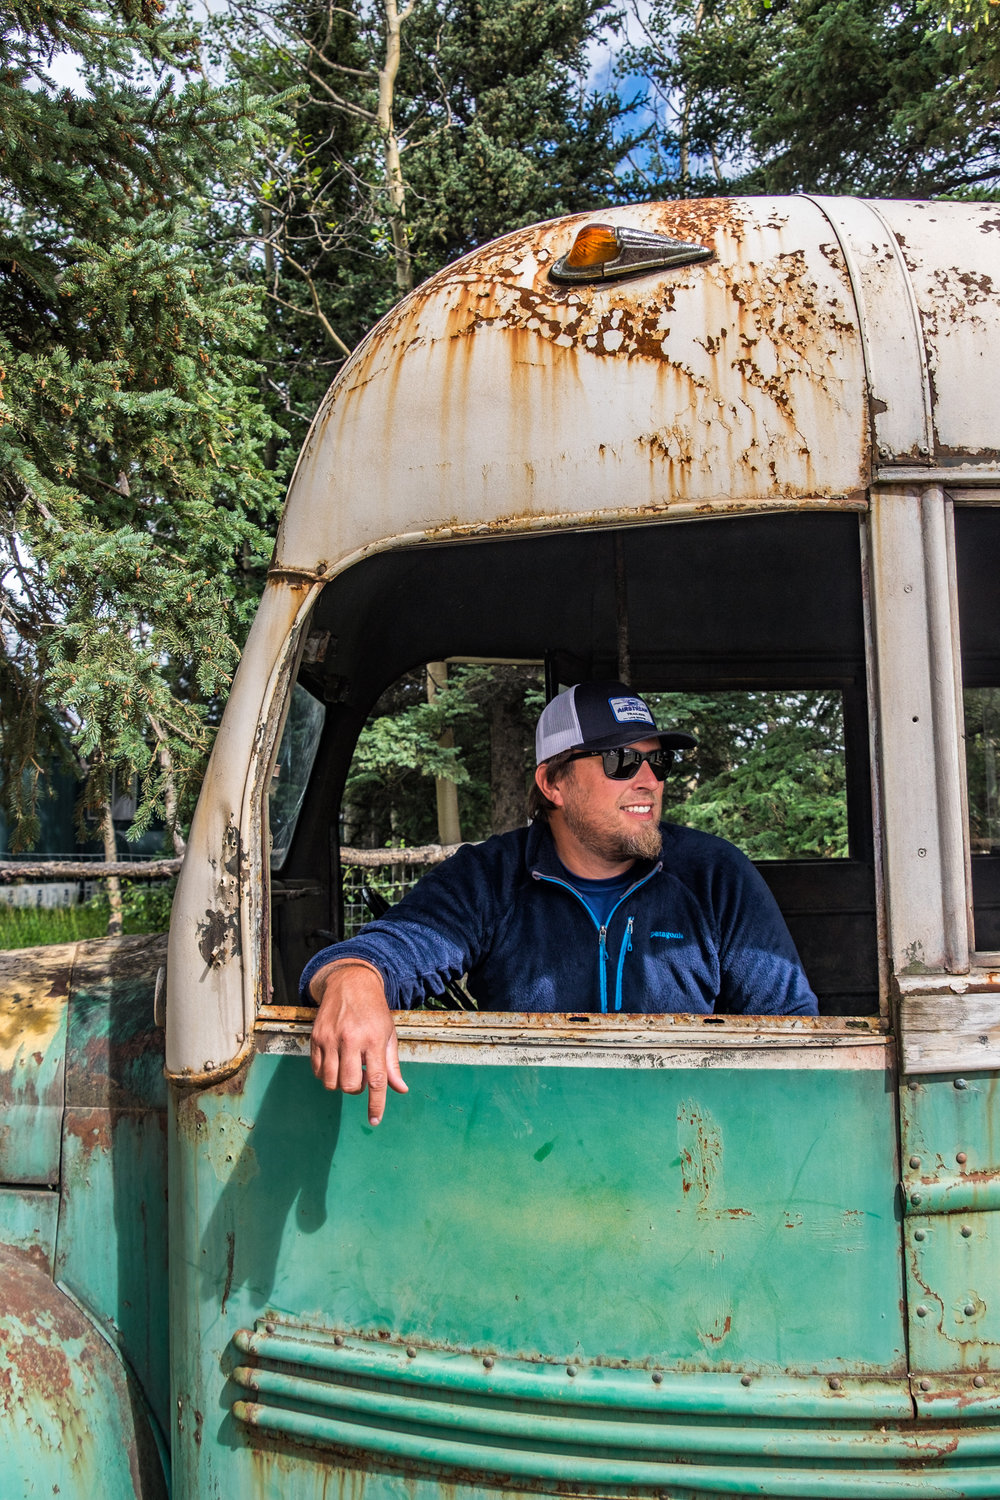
<point>540,806</point>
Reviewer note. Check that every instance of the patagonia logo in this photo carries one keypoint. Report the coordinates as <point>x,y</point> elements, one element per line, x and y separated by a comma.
<point>630,711</point>
<point>677,936</point>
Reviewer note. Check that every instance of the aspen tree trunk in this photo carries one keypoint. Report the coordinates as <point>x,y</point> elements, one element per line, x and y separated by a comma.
<point>393,171</point>
<point>507,770</point>
<point>449,825</point>
<point>112,883</point>
<point>685,141</point>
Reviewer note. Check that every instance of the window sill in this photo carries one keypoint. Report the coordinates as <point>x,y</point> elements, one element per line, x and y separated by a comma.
<point>628,1041</point>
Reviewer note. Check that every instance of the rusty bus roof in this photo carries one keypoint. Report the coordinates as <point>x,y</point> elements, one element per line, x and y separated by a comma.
<point>825,338</point>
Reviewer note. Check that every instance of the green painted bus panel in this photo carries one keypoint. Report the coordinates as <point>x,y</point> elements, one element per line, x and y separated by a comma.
<point>951,1143</point>
<point>699,1218</point>
<point>114,1056</point>
<point>950,1133</point>
<point>112,1239</point>
<point>74,1424</point>
<point>28,1222</point>
<point>952,1263</point>
<point>34,989</point>
<point>542,1218</point>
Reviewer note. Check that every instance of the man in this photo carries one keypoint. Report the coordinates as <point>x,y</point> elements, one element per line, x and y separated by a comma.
<point>595,906</point>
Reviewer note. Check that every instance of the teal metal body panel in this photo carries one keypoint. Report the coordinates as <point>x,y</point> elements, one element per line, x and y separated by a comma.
<point>84,1368</point>
<point>463,1215</point>
<point>34,984</point>
<point>950,1134</point>
<point>568,1230</point>
<point>28,1218</point>
<point>71,1418</point>
<point>112,1240</point>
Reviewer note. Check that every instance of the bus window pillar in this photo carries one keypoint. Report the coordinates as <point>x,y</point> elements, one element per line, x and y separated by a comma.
<point>918,729</point>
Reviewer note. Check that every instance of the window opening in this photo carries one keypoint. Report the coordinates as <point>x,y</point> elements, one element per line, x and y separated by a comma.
<point>977,557</point>
<point>473,729</point>
<point>769,773</point>
<point>753,626</point>
<point>982,740</point>
<point>292,769</point>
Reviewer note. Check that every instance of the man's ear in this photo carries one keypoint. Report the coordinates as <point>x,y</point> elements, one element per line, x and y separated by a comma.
<point>548,788</point>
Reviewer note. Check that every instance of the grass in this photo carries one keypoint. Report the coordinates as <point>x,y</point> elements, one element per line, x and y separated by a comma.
<point>146,909</point>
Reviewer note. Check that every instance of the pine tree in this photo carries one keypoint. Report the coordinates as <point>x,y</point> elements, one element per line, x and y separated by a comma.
<point>398,165</point>
<point>892,98</point>
<point>134,494</point>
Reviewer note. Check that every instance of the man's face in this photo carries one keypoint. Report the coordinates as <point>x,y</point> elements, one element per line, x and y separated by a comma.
<point>616,821</point>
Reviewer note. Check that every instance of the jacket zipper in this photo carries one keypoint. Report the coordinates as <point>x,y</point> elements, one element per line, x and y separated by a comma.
<point>626,947</point>
<point>603,958</point>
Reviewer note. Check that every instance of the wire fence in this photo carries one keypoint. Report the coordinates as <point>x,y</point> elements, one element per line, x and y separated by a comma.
<point>390,882</point>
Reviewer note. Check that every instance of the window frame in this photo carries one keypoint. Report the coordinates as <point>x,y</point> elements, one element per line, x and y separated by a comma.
<point>698,1039</point>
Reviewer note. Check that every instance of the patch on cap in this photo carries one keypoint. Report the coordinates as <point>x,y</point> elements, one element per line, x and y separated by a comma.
<point>630,711</point>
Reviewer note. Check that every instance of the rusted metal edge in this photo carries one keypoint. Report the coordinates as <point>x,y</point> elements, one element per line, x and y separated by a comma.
<point>984,980</point>
<point>188,1079</point>
<point>454,1051</point>
<point>960,476</point>
<point>136,1391</point>
<point>524,1025</point>
<point>577,1384</point>
<point>946,1397</point>
<point>470,1039</point>
<point>596,520</point>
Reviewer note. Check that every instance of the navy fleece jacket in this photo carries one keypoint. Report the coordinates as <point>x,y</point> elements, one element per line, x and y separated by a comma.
<point>695,930</point>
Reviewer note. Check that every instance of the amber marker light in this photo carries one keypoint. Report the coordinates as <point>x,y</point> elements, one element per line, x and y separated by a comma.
<point>595,244</point>
<point>606,252</point>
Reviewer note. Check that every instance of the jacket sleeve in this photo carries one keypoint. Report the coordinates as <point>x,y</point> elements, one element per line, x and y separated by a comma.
<point>761,973</point>
<point>436,933</point>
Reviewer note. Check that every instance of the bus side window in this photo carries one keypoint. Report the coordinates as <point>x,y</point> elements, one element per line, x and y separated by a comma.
<point>977,551</point>
<point>292,768</point>
<point>747,631</point>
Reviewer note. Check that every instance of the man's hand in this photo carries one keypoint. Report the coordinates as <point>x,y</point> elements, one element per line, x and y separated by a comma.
<point>353,1035</point>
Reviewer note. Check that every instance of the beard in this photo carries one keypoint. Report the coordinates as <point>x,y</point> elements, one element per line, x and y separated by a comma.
<point>612,843</point>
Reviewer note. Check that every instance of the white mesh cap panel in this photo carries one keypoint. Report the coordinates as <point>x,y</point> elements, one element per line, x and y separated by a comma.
<point>558,728</point>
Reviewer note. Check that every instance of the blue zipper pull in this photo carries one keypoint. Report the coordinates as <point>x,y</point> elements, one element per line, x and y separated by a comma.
<point>626,947</point>
<point>603,935</point>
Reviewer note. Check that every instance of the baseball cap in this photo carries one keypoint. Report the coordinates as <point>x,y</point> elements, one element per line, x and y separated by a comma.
<point>600,716</point>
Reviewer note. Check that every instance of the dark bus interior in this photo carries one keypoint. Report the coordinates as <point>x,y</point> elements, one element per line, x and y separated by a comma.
<point>977,556</point>
<point>768,601</point>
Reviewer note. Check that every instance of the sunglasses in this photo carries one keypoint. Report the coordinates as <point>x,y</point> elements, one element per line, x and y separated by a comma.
<point>624,763</point>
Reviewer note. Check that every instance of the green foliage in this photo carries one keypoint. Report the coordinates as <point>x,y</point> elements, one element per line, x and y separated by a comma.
<point>146,908</point>
<point>390,797</point>
<point>982,737</point>
<point>495,126</point>
<point>135,500</point>
<point>881,97</point>
<point>38,926</point>
<point>768,773</point>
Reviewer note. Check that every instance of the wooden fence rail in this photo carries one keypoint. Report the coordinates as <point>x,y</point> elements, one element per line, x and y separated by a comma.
<point>161,869</point>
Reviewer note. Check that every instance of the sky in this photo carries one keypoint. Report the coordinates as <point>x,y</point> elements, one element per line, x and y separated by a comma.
<point>65,73</point>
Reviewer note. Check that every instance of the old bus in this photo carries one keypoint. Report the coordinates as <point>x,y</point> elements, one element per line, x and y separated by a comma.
<point>759,442</point>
